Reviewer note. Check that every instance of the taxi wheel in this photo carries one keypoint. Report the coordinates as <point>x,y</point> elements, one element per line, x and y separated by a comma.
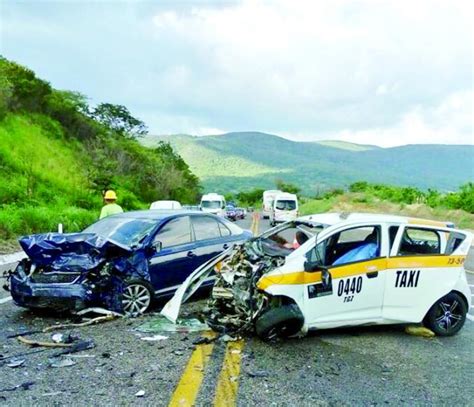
<point>136,298</point>
<point>447,316</point>
<point>280,322</point>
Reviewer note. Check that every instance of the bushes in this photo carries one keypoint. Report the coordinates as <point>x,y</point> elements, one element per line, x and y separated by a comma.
<point>462,199</point>
<point>15,221</point>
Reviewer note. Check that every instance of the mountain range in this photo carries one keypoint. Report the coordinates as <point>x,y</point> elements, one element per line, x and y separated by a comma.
<point>243,160</point>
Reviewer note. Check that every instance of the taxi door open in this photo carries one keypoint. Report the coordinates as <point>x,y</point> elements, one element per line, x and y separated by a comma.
<point>425,264</point>
<point>354,259</point>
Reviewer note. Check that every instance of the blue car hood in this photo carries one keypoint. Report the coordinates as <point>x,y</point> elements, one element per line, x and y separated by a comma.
<point>75,252</point>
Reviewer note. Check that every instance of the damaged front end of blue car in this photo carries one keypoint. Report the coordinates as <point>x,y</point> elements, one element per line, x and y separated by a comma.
<point>70,272</point>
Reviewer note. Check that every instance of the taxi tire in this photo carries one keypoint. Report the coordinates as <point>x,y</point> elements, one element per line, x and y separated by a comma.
<point>282,322</point>
<point>430,320</point>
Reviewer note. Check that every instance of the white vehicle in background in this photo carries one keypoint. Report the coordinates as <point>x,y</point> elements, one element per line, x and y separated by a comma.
<point>284,208</point>
<point>268,197</point>
<point>213,203</point>
<point>166,205</point>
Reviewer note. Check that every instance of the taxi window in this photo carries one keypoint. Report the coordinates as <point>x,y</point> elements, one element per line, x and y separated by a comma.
<point>418,241</point>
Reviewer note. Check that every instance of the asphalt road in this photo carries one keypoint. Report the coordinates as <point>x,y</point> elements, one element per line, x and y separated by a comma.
<point>357,366</point>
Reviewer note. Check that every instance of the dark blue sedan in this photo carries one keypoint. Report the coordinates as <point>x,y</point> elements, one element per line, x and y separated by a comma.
<point>121,262</point>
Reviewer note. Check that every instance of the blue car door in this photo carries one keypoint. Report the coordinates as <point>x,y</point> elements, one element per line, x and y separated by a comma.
<point>209,237</point>
<point>170,266</point>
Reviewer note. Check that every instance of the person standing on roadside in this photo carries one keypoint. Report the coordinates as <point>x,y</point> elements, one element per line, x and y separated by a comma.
<point>110,207</point>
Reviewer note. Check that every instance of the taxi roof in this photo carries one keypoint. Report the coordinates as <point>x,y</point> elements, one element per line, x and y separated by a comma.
<point>333,218</point>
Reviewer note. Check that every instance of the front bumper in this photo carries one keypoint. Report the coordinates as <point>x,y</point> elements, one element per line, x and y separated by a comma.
<point>60,297</point>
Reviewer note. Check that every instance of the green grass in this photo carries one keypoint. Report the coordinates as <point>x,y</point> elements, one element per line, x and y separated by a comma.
<point>43,180</point>
<point>362,202</point>
<point>27,220</point>
<point>312,206</point>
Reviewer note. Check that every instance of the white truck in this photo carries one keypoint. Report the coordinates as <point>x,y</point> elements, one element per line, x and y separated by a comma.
<point>268,197</point>
<point>284,208</point>
<point>213,203</point>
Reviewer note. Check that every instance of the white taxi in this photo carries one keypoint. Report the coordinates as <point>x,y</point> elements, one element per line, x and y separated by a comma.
<point>356,269</point>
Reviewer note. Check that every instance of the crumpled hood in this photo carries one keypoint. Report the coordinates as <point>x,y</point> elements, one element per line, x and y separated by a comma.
<point>70,251</point>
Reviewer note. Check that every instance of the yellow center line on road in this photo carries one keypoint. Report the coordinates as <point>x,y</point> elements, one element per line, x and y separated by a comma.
<point>188,387</point>
<point>255,222</point>
<point>228,383</point>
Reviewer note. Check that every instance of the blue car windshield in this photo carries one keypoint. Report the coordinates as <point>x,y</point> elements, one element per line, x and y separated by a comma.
<point>125,231</point>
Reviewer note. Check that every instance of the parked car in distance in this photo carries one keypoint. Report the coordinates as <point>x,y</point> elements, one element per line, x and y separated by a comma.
<point>166,205</point>
<point>121,262</point>
<point>284,208</point>
<point>240,213</point>
<point>231,213</point>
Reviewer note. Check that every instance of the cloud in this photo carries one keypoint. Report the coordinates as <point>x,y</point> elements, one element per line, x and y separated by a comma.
<point>366,71</point>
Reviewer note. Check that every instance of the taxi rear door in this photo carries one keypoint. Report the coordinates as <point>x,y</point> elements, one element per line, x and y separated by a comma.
<point>421,269</point>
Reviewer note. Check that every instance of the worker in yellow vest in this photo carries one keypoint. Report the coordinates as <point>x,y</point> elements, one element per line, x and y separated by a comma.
<point>110,207</point>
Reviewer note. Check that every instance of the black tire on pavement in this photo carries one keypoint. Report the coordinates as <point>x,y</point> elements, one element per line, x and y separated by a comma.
<point>137,297</point>
<point>281,322</point>
<point>447,316</point>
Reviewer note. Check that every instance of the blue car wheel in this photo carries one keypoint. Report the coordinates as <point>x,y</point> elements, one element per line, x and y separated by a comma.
<point>137,296</point>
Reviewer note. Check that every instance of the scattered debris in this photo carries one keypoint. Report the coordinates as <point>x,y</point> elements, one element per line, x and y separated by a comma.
<point>98,310</point>
<point>76,347</point>
<point>419,331</point>
<point>161,324</point>
<point>140,393</point>
<point>57,338</point>
<point>17,355</point>
<point>93,321</point>
<point>63,363</point>
<point>154,338</point>
<point>53,393</point>
<point>258,373</point>
<point>228,338</point>
<point>31,342</point>
<point>23,386</point>
<point>203,340</point>
<point>16,363</point>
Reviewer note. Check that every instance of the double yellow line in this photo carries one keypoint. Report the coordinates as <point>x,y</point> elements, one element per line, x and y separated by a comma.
<point>255,223</point>
<point>188,387</point>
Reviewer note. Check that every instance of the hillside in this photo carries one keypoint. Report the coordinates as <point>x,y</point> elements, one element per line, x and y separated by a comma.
<point>238,161</point>
<point>58,156</point>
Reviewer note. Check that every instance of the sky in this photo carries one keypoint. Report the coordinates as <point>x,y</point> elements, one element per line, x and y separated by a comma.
<point>373,72</point>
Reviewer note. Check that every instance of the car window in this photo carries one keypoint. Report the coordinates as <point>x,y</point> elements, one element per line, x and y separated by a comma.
<point>417,241</point>
<point>285,205</point>
<point>206,228</point>
<point>347,246</point>
<point>234,229</point>
<point>176,232</point>
<point>224,230</point>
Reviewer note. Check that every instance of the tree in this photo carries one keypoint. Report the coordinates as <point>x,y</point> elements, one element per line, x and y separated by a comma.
<point>119,119</point>
<point>286,187</point>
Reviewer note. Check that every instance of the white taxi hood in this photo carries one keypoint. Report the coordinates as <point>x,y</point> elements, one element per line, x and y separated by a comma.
<point>190,285</point>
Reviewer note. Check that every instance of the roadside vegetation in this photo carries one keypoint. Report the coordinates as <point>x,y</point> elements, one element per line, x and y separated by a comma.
<point>457,207</point>
<point>58,155</point>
